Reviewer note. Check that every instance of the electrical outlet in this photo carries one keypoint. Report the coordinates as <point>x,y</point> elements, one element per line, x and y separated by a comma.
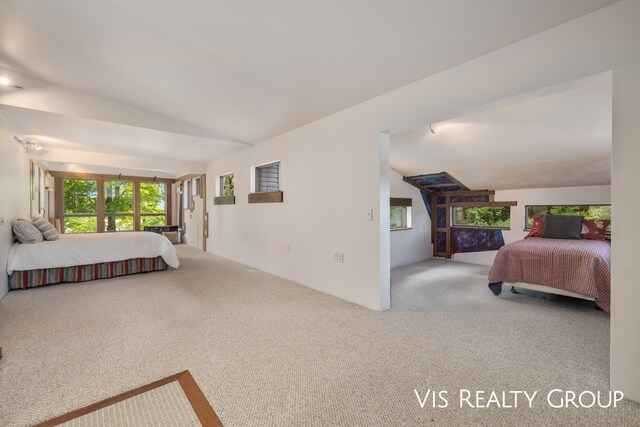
<point>341,257</point>
<point>335,256</point>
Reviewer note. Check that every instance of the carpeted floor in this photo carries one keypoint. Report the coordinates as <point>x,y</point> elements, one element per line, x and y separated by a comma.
<point>267,352</point>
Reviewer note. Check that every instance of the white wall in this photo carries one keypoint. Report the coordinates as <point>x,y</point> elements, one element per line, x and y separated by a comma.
<point>587,195</point>
<point>334,170</point>
<point>15,190</point>
<point>414,245</point>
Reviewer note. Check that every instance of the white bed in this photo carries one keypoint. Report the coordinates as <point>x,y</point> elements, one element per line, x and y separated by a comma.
<point>90,248</point>
<point>85,257</point>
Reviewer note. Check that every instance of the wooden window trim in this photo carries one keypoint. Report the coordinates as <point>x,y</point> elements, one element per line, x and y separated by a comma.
<point>266,197</point>
<point>400,201</point>
<point>224,200</point>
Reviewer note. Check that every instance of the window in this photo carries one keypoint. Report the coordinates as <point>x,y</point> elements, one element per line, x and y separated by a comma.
<point>118,206</point>
<point>153,210</point>
<point>112,205</point>
<point>80,205</point>
<point>186,192</point>
<point>268,177</point>
<point>226,185</point>
<point>400,211</point>
<point>585,211</point>
<point>482,216</point>
<point>400,217</point>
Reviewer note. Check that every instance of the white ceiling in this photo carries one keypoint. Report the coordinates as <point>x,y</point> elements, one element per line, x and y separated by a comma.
<point>240,71</point>
<point>561,139</point>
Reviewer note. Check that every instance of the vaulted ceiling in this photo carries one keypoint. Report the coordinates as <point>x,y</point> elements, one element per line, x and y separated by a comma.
<point>559,138</point>
<point>215,76</point>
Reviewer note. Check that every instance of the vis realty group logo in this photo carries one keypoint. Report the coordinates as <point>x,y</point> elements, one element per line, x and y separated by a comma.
<point>505,399</point>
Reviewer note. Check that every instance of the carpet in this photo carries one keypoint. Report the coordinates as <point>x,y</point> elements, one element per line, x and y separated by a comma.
<point>268,352</point>
<point>175,401</point>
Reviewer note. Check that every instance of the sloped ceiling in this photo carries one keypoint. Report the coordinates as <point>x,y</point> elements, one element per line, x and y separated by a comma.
<point>237,73</point>
<point>561,139</point>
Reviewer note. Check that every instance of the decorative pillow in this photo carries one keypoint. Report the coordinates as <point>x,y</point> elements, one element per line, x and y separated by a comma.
<point>536,227</point>
<point>595,229</point>
<point>48,231</point>
<point>562,227</point>
<point>27,232</point>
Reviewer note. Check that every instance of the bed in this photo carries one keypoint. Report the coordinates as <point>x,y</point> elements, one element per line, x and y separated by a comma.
<point>579,268</point>
<point>83,257</point>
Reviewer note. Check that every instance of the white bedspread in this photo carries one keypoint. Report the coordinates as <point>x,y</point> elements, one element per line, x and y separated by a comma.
<point>91,248</point>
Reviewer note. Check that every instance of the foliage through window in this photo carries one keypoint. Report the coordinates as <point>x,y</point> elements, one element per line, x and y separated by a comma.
<point>118,206</point>
<point>585,211</point>
<point>482,216</point>
<point>80,198</point>
<point>81,209</point>
<point>152,204</point>
<point>227,183</point>
<point>400,217</point>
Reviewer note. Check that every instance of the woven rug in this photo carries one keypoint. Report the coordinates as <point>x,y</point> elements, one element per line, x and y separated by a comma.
<point>173,401</point>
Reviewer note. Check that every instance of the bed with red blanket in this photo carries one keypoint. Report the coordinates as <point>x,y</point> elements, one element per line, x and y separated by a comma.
<point>580,267</point>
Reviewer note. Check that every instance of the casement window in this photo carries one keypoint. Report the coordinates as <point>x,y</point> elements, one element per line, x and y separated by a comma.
<point>585,211</point>
<point>106,205</point>
<point>482,216</point>
<point>400,213</point>
<point>268,177</point>
<point>80,211</point>
<point>118,206</point>
<point>153,209</point>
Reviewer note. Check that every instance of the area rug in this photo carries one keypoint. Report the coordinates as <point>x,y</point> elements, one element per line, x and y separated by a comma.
<point>173,401</point>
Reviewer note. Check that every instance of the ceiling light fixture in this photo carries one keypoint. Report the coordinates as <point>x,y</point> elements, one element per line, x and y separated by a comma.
<point>433,131</point>
<point>28,144</point>
<point>4,81</point>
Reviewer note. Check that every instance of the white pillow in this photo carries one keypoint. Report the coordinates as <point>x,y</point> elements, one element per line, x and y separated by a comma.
<point>48,231</point>
<point>27,232</point>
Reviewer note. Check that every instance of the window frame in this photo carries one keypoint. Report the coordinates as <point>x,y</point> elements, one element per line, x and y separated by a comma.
<point>101,214</point>
<point>272,196</point>
<point>488,227</point>
<point>65,215</point>
<point>141,214</point>
<point>527,227</point>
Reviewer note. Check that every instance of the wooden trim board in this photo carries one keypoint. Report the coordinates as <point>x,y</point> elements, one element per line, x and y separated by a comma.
<point>198,401</point>
<point>266,197</point>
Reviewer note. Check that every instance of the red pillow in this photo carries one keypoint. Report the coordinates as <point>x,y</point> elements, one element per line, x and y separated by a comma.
<point>594,229</point>
<point>536,227</point>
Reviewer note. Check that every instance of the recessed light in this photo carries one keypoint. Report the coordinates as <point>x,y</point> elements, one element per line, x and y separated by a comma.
<point>4,81</point>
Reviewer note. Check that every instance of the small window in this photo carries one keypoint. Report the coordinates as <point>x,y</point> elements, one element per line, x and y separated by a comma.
<point>268,178</point>
<point>585,211</point>
<point>196,186</point>
<point>400,210</point>
<point>226,185</point>
<point>400,217</point>
<point>482,216</point>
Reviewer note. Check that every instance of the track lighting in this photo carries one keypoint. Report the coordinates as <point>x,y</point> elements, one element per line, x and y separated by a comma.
<point>28,144</point>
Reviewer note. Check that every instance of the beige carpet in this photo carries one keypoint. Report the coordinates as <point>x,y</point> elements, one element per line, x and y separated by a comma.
<point>268,352</point>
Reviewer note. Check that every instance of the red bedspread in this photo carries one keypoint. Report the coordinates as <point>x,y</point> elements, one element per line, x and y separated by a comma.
<point>582,266</point>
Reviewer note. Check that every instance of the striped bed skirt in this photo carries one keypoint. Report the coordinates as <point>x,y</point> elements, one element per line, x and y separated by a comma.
<point>84,273</point>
